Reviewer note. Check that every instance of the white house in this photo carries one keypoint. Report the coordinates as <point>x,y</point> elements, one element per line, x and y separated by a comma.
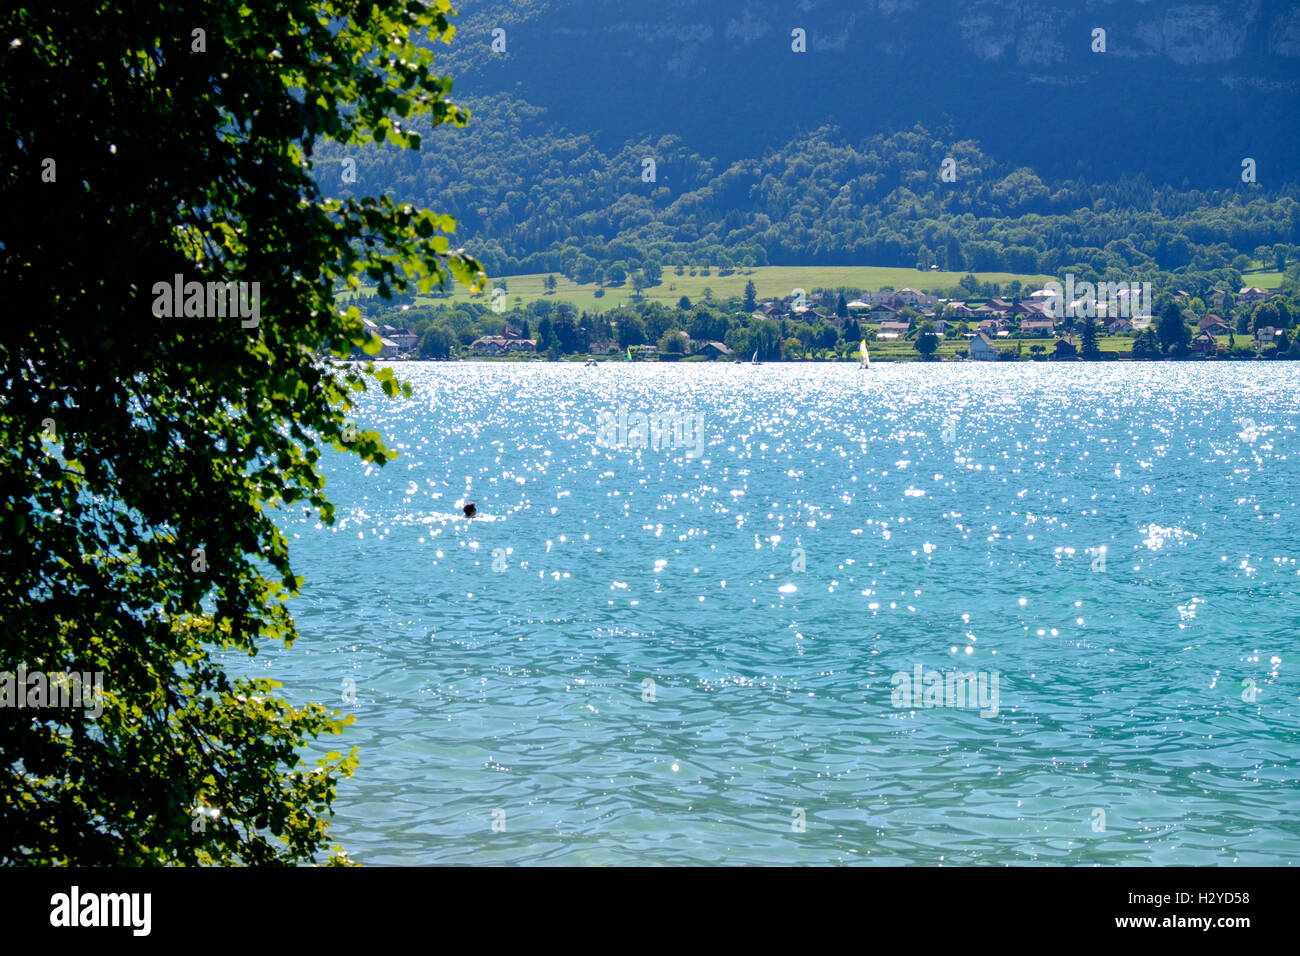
<point>982,350</point>
<point>915,297</point>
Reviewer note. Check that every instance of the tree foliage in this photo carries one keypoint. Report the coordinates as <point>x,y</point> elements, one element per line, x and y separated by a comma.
<point>534,198</point>
<point>1171,329</point>
<point>927,342</point>
<point>1088,346</point>
<point>144,458</point>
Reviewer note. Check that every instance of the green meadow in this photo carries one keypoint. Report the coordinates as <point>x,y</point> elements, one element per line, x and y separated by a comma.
<point>769,281</point>
<point>1263,280</point>
<point>899,350</point>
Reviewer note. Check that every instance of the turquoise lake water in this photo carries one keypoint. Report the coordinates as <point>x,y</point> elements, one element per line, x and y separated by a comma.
<point>687,653</point>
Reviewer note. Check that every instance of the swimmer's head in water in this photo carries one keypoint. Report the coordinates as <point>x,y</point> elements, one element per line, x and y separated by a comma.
<point>470,510</point>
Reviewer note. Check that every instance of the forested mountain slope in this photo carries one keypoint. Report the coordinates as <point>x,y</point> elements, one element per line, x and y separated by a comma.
<point>1060,157</point>
<point>1183,90</point>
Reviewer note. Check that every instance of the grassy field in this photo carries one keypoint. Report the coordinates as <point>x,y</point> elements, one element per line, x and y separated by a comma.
<point>896,350</point>
<point>900,350</point>
<point>1263,280</point>
<point>768,280</point>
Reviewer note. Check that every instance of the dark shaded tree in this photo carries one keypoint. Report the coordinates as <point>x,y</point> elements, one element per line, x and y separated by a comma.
<point>927,342</point>
<point>1088,342</point>
<point>1171,329</point>
<point>437,343</point>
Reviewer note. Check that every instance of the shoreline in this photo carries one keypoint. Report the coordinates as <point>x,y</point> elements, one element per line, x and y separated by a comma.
<point>582,360</point>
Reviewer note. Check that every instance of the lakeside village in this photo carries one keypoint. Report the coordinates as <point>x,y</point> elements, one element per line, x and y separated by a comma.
<point>1059,322</point>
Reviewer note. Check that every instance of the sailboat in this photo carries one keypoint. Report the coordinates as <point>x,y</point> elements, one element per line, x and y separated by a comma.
<point>754,360</point>
<point>866,357</point>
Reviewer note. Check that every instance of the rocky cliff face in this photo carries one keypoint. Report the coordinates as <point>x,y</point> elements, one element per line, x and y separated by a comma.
<point>1201,33</point>
<point>1221,78</point>
<point>1022,32</point>
<point>1198,33</point>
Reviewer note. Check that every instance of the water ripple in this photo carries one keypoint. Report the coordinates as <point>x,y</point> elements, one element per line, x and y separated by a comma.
<point>670,652</point>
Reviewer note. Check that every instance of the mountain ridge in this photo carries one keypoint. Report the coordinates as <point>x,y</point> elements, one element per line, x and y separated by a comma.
<point>1166,97</point>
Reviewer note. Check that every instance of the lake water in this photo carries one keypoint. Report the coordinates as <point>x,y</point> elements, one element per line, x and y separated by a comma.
<point>688,654</point>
